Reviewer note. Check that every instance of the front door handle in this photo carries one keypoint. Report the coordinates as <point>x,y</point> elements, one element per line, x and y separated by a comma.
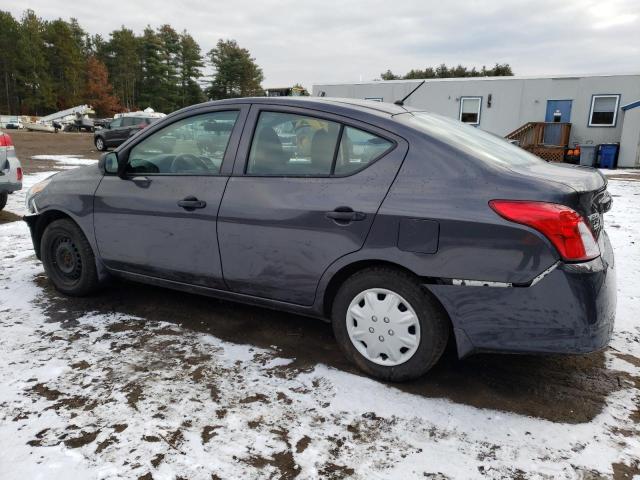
<point>345,215</point>
<point>191,203</point>
<point>141,181</point>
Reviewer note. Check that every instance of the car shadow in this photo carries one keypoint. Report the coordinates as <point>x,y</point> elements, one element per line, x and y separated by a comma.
<point>570,389</point>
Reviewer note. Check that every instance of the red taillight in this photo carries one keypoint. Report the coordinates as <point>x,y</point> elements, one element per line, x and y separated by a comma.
<point>19,174</point>
<point>5,140</point>
<point>563,226</point>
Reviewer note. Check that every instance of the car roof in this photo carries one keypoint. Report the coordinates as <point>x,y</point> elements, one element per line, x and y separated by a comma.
<point>322,103</point>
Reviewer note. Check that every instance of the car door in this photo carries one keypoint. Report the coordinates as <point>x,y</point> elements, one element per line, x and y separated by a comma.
<point>111,133</point>
<point>305,190</point>
<point>160,220</point>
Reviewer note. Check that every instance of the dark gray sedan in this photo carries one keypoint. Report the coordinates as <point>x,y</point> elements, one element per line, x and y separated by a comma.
<point>407,230</point>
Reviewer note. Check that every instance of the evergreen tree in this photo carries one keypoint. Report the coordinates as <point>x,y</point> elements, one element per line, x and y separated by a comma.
<point>64,51</point>
<point>189,65</point>
<point>443,71</point>
<point>236,73</point>
<point>169,53</point>
<point>389,75</point>
<point>9,31</point>
<point>47,66</point>
<point>121,55</point>
<point>33,80</point>
<point>152,85</point>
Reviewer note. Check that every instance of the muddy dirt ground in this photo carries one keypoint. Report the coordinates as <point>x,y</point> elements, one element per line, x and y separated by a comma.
<point>28,144</point>
<point>566,389</point>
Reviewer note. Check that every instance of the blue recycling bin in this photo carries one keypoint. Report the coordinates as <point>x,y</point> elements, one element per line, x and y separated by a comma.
<point>608,155</point>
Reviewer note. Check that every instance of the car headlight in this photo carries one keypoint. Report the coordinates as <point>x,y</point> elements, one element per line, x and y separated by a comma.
<point>33,191</point>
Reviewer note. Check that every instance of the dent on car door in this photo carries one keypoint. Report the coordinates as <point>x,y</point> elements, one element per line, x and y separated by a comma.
<point>305,194</point>
<point>160,220</point>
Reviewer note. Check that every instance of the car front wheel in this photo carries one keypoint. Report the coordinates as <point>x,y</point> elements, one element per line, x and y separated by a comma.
<point>388,325</point>
<point>100,145</point>
<point>3,200</point>
<point>68,258</point>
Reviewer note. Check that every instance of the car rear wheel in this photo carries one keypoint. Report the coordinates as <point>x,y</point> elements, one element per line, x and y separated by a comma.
<point>3,199</point>
<point>388,325</point>
<point>100,145</point>
<point>68,258</point>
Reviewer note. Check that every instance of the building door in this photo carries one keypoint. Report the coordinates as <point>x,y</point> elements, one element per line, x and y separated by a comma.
<point>558,111</point>
<point>562,106</point>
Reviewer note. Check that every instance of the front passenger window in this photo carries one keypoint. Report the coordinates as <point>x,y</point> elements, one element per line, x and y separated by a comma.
<point>192,146</point>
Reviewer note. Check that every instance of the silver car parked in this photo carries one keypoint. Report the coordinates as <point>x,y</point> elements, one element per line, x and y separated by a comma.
<point>10,169</point>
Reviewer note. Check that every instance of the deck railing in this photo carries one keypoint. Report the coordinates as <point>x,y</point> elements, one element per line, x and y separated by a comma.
<point>539,134</point>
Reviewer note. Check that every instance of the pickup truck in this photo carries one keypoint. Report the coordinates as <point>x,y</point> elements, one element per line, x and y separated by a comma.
<point>10,169</point>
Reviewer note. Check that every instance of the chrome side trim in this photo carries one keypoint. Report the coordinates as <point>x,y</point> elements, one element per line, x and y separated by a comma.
<point>486,283</point>
<point>480,283</point>
<point>544,274</point>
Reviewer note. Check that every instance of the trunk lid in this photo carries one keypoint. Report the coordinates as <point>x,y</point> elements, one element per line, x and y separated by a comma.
<point>580,178</point>
<point>592,199</point>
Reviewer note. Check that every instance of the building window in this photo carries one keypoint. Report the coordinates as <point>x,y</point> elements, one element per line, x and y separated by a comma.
<point>604,110</point>
<point>470,110</point>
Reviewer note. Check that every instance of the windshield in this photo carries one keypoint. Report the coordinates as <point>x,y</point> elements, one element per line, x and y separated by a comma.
<point>482,145</point>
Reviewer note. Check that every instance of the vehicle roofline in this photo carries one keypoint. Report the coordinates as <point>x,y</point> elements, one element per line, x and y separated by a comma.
<point>369,106</point>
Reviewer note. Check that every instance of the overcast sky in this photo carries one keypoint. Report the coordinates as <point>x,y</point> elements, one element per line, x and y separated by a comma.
<point>349,40</point>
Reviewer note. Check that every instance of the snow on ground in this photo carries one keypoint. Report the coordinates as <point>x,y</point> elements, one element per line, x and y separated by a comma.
<point>66,161</point>
<point>110,395</point>
<point>632,173</point>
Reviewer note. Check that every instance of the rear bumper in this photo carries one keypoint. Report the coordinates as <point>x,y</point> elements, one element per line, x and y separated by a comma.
<point>570,310</point>
<point>10,187</point>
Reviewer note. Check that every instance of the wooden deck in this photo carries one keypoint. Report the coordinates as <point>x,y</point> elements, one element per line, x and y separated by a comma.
<point>547,140</point>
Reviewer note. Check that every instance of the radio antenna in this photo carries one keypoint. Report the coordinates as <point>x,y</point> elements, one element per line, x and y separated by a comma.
<point>401,102</point>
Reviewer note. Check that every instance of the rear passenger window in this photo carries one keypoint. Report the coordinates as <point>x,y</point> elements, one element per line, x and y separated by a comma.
<point>290,144</point>
<point>358,149</point>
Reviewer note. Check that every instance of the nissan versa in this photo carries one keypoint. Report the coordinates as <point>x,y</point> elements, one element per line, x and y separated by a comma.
<point>404,228</point>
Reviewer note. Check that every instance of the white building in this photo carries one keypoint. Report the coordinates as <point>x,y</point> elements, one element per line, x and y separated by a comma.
<point>592,104</point>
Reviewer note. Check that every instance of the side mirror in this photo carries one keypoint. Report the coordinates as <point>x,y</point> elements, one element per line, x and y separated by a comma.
<point>108,163</point>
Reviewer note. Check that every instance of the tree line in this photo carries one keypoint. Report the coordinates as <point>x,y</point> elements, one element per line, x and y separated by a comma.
<point>443,71</point>
<point>46,66</point>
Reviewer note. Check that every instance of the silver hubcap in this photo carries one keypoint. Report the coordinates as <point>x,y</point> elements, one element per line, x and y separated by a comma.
<point>99,143</point>
<point>383,327</point>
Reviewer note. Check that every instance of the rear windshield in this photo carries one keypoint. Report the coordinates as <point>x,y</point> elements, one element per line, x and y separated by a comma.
<point>482,145</point>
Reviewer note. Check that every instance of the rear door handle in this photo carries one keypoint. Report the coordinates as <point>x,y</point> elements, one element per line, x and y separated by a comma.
<point>191,203</point>
<point>346,215</point>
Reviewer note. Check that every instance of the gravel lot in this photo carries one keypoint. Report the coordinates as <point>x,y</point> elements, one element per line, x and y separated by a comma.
<point>139,382</point>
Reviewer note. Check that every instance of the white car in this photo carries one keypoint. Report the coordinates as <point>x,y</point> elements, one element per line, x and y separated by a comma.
<point>10,169</point>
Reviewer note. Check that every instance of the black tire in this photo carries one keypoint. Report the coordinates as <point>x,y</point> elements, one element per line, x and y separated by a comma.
<point>3,200</point>
<point>433,322</point>
<point>100,144</point>
<point>68,259</point>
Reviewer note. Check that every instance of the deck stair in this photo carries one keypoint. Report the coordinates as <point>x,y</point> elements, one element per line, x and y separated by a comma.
<point>547,140</point>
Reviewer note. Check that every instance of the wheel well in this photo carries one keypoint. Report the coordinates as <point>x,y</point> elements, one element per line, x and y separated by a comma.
<point>43,221</point>
<point>345,272</point>
<point>341,275</point>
